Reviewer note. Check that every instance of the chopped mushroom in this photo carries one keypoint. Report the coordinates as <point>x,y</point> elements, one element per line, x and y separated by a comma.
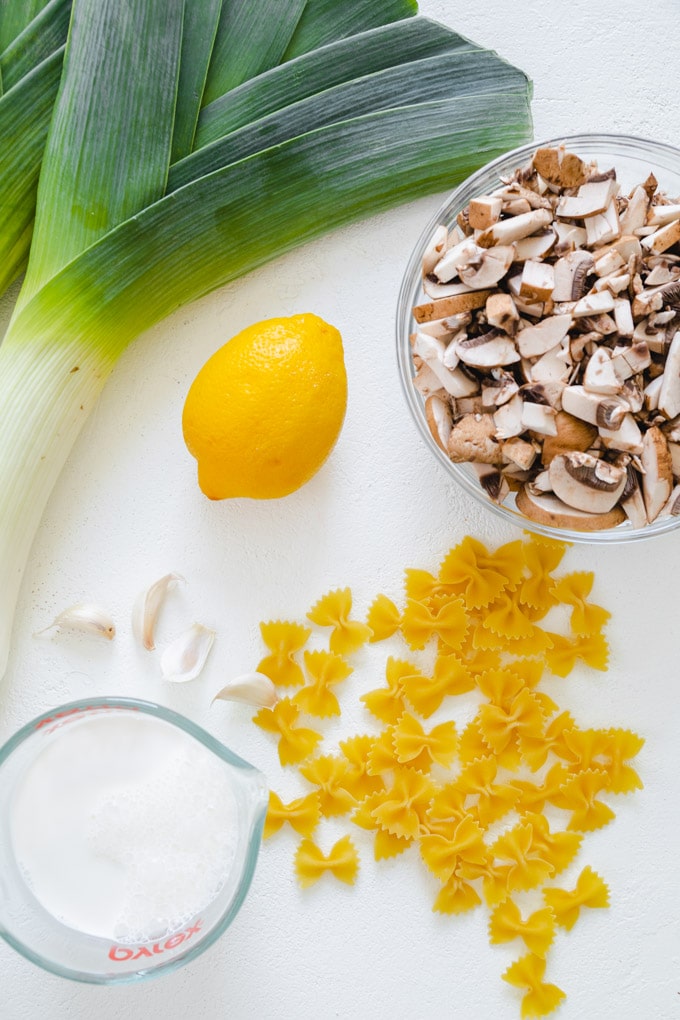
<point>547,347</point>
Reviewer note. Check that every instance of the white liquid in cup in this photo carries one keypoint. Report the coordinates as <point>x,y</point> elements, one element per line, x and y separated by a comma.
<point>124,826</point>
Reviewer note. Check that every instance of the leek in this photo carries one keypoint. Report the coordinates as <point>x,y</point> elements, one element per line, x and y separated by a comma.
<point>130,255</point>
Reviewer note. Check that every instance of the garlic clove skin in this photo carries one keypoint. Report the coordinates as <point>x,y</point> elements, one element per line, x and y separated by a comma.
<point>185,657</point>
<point>250,689</point>
<point>147,608</point>
<point>84,618</point>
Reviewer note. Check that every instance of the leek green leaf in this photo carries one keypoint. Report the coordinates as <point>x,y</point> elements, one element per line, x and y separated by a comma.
<point>45,34</point>
<point>15,15</point>
<point>445,75</point>
<point>92,179</point>
<point>333,64</point>
<point>24,119</point>
<point>324,21</point>
<point>236,58</point>
<point>198,39</point>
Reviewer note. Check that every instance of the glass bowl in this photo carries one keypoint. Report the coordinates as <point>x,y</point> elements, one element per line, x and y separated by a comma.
<point>633,158</point>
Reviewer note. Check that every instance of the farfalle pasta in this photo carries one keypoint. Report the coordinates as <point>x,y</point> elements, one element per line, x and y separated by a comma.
<point>495,804</point>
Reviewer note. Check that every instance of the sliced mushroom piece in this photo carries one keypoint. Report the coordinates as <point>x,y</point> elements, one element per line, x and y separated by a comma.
<point>508,419</point>
<point>652,392</point>
<point>435,248</point>
<point>627,437</point>
<point>660,275</point>
<point>635,213</point>
<point>669,394</point>
<point>502,312</point>
<point>570,236</point>
<point>502,388</point>
<point>488,350</point>
<point>514,228</point>
<point>448,326</point>
<point>623,317</point>
<point>633,502</point>
<point>600,375</point>
<point>657,478</point>
<point>548,393</point>
<point>473,438</point>
<point>604,227</point>
<point>591,199</point>
<point>614,284</point>
<point>488,267</point>
<point>537,246</point>
<point>559,167</point>
<point>437,290</point>
<point>654,299</point>
<point>539,418</point>
<point>594,304</point>
<point>447,267</point>
<point>425,381</point>
<point>455,381</point>
<point>439,420</point>
<point>672,507</point>
<point>552,367</point>
<point>540,483</point>
<point>663,239</point>
<point>605,412</point>
<point>549,509</point>
<point>573,435</point>
<point>520,452</point>
<point>586,482</point>
<point>484,211</point>
<point>538,281</point>
<point>674,451</point>
<point>533,341</point>
<point>660,215</point>
<point>444,307</point>
<point>609,262</point>
<point>570,275</point>
<point>494,483</point>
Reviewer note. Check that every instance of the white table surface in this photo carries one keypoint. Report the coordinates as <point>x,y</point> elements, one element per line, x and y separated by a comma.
<point>127,509</point>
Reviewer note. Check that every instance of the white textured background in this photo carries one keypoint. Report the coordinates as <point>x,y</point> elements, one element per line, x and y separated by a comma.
<point>127,510</point>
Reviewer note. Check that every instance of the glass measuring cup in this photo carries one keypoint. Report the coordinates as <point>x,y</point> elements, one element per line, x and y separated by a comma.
<point>68,951</point>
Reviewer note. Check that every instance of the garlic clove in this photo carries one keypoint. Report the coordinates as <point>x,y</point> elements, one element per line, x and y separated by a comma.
<point>147,608</point>
<point>85,618</point>
<point>250,689</point>
<point>186,656</point>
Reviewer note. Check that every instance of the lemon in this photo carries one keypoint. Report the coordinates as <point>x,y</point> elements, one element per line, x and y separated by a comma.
<point>265,410</point>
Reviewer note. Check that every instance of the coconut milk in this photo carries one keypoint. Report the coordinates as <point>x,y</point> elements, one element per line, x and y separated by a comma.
<point>124,827</point>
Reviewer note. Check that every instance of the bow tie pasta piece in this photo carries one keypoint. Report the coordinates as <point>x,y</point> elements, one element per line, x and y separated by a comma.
<point>358,781</point>
<point>410,741</point>
<point>559,847</point>
<point>325,670</point>
<point>537,747</point>
<point>295,742</point>
<point>504,618</point>
<point>464,568</point>
<point>401,810</point>
<point>283,640</point>
<point>500,686</point>
<point>579,795</point>
<point>540,998</point>
<point>333,610</point>
<point>383,618</point>
<point>472,744</point>
<point>574,589</point>
<point>533,796</point>
<point>563,654</point>
<point>447,620</point>
<point>311,863</point>
<point>466,846</point>
<point>422,586</point>
<point>590,891</point>
<point>528,867</point>
<point>499,726</point>
<point>329,773</point>
<point>447,808</point>
<point>541,558</point>
<point>537,931</point>
<point>617,747</point>
<point>302,814</point>
<point>450,677</point>
<point>494,800</point>
<point>456,896</point>
<point>387,703</point>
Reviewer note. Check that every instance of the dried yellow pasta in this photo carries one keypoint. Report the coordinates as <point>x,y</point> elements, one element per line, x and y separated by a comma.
<point>465,568</point>
<point>421,622</point>
<point>295,742</point>
<point>447,808</point>
<point>559,847</point>
<point>533,796</point>
<point>528,867</point>
<point>540,998</point>
<point>402,808</point>
<point>411,741</point>
<point>537,930</point>
<point>579,795</point>
<point>536,747</point>
<point>329,773</point>
<point>500,686</point>
<point>494,800</point>
<point>358,782</point>
<point>301,814</point>
<point>421,585</point>
<point>522,718</point>
<point>541,557</point>
<point>325,669</point>
<point>426,693</point>
<point>563,654</point>
<point>590,891</point>
<point>342,861</point>
<point>283,639</point>
<point>383,618</point>
<point>574,589</point>
<point>456,896</point>
<point>387,703</point>
<point>444,855</point>
<point>618,747</point>
<point>333,610</point>
<point>505,618</point>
